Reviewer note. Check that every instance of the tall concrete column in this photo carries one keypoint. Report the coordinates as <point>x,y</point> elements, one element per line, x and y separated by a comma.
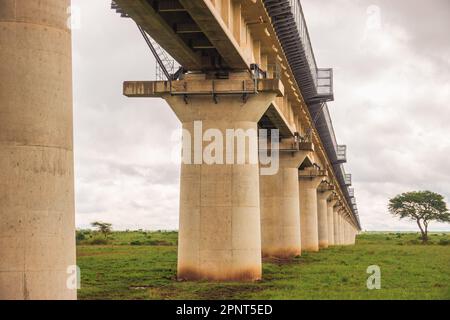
<point>355,233</point>
<point>220,228</point>
<point>336,226</point>
<point>280,208</point>
<point>330,219</point>
<point>308,213</point>
<point>341,228</point>
<point>347,232</point>
<point>37,222</point>
<point>350,235</point>
<point>322,217</point>
<point>344,231</point>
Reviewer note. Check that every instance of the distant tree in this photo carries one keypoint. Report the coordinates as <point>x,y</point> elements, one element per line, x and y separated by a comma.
<point>422,207</point>
<point>102,227</point>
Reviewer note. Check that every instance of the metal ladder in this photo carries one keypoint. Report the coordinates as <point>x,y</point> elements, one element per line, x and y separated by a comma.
<point>165,67</point>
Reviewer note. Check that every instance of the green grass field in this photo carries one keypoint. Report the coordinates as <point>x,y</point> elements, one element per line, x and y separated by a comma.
<point>147,269</point>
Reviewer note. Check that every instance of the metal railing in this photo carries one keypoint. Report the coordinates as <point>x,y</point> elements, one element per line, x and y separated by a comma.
<point>348,179</point>
<point>351,192</point>
<point>302,28</point>
<point>341,153</point>
<point>324,82</point>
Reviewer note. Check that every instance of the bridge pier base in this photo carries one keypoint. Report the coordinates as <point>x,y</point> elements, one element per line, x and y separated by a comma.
<point>37,221</point>
<point>280,208</point>
<point>220,230</point>
<point>308,213</point>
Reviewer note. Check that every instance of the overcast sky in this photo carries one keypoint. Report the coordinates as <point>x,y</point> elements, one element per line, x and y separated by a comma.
<point>392,88</point>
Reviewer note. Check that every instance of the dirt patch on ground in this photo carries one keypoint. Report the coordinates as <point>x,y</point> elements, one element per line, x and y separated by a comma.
<point>230,292</point>
<point>100,253</point>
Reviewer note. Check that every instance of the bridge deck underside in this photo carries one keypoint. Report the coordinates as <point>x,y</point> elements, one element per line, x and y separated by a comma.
<point>200,38</point>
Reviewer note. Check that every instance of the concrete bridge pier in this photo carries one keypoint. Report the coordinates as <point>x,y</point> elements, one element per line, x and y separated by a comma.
<point>342,227</point>
<point>336,230</point>
<point>37,221</point>
<point>280,208</point>
<point>346,231</point>
<point>338,226</point>
<point>220,227</point>
<point>351,234</point>
<point>354,234</point>
<point>308,213</point>
<point>322,217</point>
<point>330,219</point>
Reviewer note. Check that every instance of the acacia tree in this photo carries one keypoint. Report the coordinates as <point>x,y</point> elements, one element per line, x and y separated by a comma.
<point>422,207</point>
<point>103,227</point>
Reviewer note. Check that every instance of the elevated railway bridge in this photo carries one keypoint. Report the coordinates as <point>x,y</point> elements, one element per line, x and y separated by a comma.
<point>227,64</point>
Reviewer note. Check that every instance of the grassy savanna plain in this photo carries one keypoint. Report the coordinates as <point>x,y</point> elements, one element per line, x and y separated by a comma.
<point>142,265</point>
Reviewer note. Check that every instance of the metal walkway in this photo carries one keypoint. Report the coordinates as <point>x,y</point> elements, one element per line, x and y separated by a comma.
<point>316,84</point>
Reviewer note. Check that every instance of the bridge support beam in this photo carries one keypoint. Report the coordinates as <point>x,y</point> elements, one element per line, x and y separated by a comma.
<point>220,228</point>
<point>330,218</point>
<point>308,213</point>
<point>322,217</point>
<point>280,208</point>
<point>37,221</point>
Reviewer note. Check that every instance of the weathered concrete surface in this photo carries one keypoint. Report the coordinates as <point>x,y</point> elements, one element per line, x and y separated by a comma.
<point>308,214</point>
<point>330,219</point>
<point>37,230</point>
<point>337,240</point>
<point>322,218</point>
<point>341,229</point>
<point>280,209</point>
<point>220,228</point>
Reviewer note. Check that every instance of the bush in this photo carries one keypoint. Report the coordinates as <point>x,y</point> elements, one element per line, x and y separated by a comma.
<point>157,243</point>
<point>98,241</point>
<point>444,242</point>
<point>80,236</point>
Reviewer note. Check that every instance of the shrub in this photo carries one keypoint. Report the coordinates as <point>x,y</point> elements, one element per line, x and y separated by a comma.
<point>444,242</point>
<point>158,243</point>
<point>98,241</point>
<point>80,236</point>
